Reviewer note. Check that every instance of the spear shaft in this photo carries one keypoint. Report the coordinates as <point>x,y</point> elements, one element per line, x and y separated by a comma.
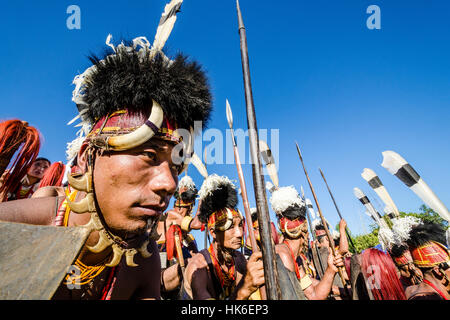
<point>330,239</point>
<point>248,215</point>
<point>337,209</point>
<point>267,247</point>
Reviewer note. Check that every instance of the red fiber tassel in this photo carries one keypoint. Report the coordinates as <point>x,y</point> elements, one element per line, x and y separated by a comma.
<point>21,140</point>
<point>170,241</point>
<point>54,175</point>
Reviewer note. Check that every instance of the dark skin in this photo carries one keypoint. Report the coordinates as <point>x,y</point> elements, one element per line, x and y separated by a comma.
<point>437,278</point>
<point>131,187</point>
<point>249,275</point>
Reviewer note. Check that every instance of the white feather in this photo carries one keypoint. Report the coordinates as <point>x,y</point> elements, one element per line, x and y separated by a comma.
<point>335,234</point>
<point>186,182</point>
<point>401,228</point>
<point>270,186</point>
<point>386,238</point>
<point>285,197</point>
<point>211,183</point>
<point>163,31</point>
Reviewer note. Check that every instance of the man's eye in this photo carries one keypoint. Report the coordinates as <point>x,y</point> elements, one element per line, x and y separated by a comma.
<point>150,155</point>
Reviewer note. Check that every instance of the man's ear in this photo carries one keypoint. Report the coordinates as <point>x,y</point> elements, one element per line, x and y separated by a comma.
<point>213,233</point>
<point>82,161</point>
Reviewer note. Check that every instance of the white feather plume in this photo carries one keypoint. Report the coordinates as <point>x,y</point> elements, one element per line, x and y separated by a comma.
<point>402,226</point>
<point>285,197</point>
<point>386,238</point>
<point>211,183</point>
<point>253,210</point>
<point>335,234</point>
<point>186,182</point>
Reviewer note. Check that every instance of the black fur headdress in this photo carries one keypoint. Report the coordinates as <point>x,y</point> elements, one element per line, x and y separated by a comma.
<point>188,190</point>
<point>128,78</point>
<point>216,193</point>
<point>286,202</point>
<point>426,232</point>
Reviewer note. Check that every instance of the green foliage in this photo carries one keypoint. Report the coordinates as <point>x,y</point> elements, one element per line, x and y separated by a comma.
<point>427,214</point>
<point>365,241</point>
<point>369,240</point>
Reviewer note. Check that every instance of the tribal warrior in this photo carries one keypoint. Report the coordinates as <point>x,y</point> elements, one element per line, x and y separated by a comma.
<point>134,103</point>
<point>221,272</point>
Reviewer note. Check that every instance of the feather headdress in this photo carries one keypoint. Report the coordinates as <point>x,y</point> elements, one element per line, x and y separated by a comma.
<point>286,202</point>
<point>216,193</point>
<point>134,74</point>
<point>186,190</point>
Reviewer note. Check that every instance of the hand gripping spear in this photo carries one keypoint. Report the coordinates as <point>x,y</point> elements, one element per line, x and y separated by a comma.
<point>324,223</point>
<point>267,247</point>
<point>248,215</point>
<point>337,209</point>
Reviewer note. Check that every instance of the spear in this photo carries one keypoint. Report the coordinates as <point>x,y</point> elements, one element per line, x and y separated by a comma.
<point>267,247</point>
<point>337,209</point>
<point>316,257</point>
<point>330,239</point>
<point>248,215</point>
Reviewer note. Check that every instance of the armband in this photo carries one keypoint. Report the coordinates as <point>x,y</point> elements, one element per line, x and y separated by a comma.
<point>305,282</point>
<point>185,223</point>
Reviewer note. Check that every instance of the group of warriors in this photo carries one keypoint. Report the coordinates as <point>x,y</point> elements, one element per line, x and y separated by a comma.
<point>134,103</point>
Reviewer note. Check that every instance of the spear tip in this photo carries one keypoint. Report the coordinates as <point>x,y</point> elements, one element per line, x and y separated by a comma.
<point>298,150</point>
<point>229,114</point>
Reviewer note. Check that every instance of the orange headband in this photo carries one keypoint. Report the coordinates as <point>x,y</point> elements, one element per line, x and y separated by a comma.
<point>221,218</point>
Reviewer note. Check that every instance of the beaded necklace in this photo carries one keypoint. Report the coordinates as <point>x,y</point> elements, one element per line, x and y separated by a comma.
<point>227,279</point>
<point>87,273</point>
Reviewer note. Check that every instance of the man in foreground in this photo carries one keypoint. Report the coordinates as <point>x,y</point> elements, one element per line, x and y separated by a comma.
<point>133,103</point>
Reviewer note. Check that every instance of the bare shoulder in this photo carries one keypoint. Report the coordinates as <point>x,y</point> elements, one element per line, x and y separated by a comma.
<point>39,211</point>
<point>285,256</point>
<point>196,262</point>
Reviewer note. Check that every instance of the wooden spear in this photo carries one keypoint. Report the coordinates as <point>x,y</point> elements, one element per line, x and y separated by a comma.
<point>330,238</point>
<point>267,247</point>
<point>248,215</point>
<point>337,209</point>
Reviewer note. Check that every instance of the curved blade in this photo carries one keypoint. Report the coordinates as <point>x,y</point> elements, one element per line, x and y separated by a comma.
<point>400,168</point>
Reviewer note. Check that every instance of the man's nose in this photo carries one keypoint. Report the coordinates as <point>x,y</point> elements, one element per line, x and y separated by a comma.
<point>164,183</point>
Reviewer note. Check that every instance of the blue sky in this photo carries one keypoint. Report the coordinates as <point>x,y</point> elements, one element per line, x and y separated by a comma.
<point>319,75</point>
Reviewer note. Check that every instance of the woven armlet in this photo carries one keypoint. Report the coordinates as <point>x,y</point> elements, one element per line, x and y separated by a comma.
<point>185,223</point>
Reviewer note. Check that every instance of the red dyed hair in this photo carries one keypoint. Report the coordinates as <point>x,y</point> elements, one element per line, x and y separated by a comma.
<point>16,137</point>
<point>54,175</point>
<point>381,275</point>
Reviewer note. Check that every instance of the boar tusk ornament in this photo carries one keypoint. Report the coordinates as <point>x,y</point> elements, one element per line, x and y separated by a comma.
<point>106,238</point>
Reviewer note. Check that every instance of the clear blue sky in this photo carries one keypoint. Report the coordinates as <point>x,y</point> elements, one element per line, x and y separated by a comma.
<point>319,75</point>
